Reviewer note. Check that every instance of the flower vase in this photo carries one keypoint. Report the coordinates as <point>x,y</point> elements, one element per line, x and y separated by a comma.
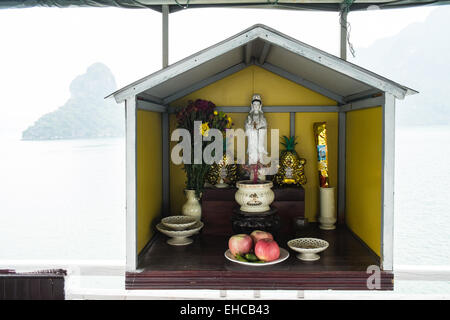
<point>192,206</point>
<point>327,216</point>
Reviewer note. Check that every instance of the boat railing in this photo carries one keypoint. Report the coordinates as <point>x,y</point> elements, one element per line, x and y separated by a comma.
<point>105,279</point>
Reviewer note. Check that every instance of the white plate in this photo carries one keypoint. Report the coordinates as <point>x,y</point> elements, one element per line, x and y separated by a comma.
<point>284,254</point>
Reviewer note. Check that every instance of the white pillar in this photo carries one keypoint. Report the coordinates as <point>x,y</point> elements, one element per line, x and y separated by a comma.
<point>131,187</point>
<point>387,196</point>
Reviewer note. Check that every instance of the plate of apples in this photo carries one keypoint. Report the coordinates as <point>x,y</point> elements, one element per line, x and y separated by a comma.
<point>257,249</point>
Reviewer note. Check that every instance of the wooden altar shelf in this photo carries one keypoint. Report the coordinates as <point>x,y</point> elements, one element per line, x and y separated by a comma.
<point>202,265</point>
<point>218,205</point>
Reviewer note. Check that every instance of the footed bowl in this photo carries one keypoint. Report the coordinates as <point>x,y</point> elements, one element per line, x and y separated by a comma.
<point>308,248</point>
<point>179,237</point>
<point>179,222</point>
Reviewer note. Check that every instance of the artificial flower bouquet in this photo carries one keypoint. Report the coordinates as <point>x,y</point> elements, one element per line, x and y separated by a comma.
<point>204,111</point>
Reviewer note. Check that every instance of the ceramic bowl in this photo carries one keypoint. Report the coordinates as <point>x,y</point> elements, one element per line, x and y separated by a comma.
<point>308,248</point>
<point>179,222</point>
<point>180,237</point>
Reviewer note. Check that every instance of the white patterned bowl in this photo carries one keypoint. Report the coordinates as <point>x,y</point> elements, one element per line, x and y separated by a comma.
<point>179,222</point>
<point>308,248</point>
<point>180,237</point>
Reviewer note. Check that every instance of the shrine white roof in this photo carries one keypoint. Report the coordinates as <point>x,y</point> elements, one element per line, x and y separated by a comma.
<point>311,67</point>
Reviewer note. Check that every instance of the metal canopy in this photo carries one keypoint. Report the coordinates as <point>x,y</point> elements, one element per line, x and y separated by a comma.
<point>322,5</point>
<point>308,66</point>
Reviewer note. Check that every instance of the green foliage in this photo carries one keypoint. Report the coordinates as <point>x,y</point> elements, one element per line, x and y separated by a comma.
<point>289,143</point>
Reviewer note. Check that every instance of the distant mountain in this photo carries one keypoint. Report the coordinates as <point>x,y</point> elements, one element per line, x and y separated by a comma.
<point>86,114</point>
<point>419,58</point>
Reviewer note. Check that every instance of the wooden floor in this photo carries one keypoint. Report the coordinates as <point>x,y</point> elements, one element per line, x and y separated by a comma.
<point>202,265</point>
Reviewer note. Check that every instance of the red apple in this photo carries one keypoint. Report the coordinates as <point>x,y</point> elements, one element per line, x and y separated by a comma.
<point>258,235</point>
<point>267,250</point>
<point>240,244</point>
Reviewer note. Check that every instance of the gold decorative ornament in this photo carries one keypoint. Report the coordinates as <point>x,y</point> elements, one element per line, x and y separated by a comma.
<point>224,172</point>
<point>291,169</point>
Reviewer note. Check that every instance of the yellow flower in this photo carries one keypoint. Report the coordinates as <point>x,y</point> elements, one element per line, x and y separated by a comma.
<point>204,129</point>
<point>229,122</point>
<point>216,113</point>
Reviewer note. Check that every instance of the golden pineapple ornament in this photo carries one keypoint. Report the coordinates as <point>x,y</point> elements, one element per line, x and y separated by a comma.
<point>291,170</point>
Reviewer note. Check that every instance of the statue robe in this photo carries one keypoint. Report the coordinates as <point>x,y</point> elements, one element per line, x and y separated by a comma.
<point>256,131</point>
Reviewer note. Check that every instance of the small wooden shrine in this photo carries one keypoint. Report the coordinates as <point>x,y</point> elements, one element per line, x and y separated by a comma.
<point>300,85</point>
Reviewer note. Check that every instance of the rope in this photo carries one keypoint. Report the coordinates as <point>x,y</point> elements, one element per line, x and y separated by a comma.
<point>186,5</point>
<point>345,8</point>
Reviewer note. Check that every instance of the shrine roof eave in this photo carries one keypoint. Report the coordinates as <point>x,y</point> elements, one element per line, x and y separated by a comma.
<point>272,50</point>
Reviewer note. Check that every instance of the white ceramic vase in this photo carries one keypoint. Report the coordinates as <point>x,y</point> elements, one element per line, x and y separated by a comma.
<point>192,206</point>
<point>254,197</point>
<point>327,216</point>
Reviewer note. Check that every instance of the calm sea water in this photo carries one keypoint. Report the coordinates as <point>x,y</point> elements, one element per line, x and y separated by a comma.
<point>66,199</point>
<point>62,199</point>
<point>422,199</point>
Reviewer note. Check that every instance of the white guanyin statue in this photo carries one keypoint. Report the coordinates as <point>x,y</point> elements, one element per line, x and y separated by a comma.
<point>256,132</point>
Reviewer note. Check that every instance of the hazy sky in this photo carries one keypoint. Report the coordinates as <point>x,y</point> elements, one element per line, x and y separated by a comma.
<point>43,49</point>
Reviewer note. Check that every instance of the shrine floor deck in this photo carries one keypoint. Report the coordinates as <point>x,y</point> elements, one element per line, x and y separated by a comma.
<point>202,265</point>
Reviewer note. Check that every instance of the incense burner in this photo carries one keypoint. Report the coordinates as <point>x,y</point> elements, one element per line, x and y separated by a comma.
<point>254,197</point>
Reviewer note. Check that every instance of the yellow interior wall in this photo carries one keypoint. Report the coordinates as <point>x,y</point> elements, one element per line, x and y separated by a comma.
<point>237,90</point>
<point>306,148</point>
<point>363,175</point>
<point>149,174</point>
